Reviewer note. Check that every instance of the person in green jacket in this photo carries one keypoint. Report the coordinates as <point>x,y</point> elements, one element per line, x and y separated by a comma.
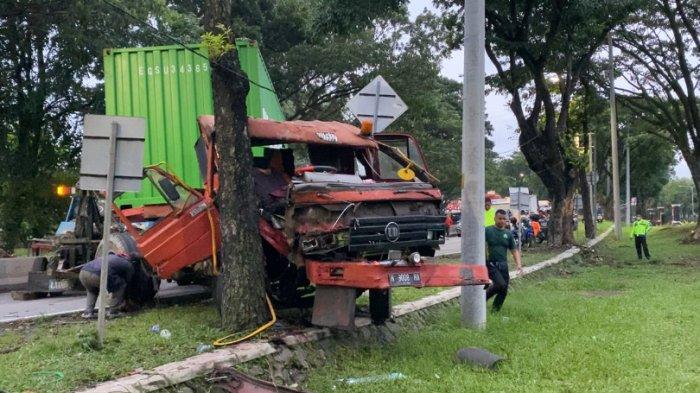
<point>640,229</point>
<point>490,214</point>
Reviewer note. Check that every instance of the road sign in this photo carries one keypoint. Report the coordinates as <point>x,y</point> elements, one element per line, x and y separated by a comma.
<point>128,164</point>
<point>519,198</point>
<point>112,160</point>
<point>377,102</point>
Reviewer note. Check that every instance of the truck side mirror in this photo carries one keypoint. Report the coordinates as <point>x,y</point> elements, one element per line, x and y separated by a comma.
<point>168,188</point>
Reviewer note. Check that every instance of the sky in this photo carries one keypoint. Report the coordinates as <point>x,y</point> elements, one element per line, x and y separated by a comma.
<point>499,114</point>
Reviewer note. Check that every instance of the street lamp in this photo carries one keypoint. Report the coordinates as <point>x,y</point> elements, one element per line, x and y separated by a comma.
<point>520,218</point>
<point>692,200</point>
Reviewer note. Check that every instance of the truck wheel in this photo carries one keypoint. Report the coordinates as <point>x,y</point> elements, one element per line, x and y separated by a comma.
<point>144,284</point>
<point>379,305</point>
<point>120,243</point>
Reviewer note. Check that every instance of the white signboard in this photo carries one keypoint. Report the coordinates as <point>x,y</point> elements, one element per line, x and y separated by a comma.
<point>519,198</point>
<point>378,103</point>
<point>128,164</point>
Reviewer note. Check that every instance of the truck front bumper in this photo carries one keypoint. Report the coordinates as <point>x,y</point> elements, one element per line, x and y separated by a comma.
<point>382,275</point>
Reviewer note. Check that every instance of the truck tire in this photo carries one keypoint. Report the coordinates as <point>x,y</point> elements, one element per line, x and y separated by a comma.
<point>120,243</point>
<point>380,305</point>
<point>145,283</point>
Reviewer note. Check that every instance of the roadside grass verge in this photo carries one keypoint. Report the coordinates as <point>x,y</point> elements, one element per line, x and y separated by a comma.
<point>533,255</point>
<point>28,351</point>
<point>65,347</point>
<point>601,322</point>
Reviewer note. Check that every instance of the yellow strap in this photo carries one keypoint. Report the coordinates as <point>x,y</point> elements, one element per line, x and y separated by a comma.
<point>224,340</point>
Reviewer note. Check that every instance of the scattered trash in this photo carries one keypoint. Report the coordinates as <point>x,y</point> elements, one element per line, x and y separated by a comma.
<point>505,319</point>
<point>165,333</point>
<point>201,347</point>
<point>155,328</point>
<point>372,378</point>
<point>437,376</point>
<point>479,357</point>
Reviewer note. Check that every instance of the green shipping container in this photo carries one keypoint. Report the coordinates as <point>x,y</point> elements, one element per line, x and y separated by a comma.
<point>171,86</point>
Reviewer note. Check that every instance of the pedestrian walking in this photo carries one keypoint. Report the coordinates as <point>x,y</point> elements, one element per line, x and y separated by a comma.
<point>498,241</point>
<point>640,230</point>
<point>119,275</point>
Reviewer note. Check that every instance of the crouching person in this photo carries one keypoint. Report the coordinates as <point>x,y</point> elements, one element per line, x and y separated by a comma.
<point>119,275</point>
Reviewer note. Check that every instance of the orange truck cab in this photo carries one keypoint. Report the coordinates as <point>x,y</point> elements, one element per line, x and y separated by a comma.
<point>347,212</point>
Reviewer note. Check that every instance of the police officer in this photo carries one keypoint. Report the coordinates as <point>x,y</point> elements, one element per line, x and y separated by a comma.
<point>489,213</point>
<point>640,229</point>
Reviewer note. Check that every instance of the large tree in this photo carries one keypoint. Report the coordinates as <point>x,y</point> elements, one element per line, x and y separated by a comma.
<point>242,279</point>
<point>50,58</point>
<point>530,42</point>
<point>661,62</point>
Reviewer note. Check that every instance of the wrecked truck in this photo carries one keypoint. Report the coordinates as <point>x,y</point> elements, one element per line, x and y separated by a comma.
<point>354,212</point>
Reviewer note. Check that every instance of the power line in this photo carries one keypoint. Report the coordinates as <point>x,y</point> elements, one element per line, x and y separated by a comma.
<point>183,45</point>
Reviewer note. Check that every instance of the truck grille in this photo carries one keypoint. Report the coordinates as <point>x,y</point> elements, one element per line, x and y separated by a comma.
<point>396,233</point>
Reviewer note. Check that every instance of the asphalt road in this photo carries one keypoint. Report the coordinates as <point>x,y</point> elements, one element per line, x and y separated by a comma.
<point>12,310</point>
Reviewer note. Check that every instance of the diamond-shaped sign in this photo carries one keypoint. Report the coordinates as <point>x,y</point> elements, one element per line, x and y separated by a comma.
<point>378,103</point>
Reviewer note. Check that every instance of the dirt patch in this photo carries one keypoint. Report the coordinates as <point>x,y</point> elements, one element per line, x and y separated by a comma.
<point>601,293</point>
<point>685,263</point>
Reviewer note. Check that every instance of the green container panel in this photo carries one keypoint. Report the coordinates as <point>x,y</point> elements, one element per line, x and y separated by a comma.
<point>171,86</point>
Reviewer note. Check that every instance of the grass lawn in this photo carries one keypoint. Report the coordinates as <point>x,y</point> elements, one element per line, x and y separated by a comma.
<point>30,353</point>
<point>610,324</point>
<point>45,348</point>
<point>536,254</point>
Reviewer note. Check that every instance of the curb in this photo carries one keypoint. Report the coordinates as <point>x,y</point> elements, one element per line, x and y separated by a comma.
<point>195,366</point>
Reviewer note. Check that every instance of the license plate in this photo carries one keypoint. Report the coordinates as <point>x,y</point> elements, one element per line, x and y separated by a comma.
<point>404,279</point>
<point>59,285</point>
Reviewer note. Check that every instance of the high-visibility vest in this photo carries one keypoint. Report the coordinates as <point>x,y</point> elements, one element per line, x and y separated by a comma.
<point>490,217</point>
<point>640,228</point>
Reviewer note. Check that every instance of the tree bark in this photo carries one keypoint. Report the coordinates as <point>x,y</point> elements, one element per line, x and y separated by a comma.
<point>588,219</point>
<point>693,160</point>
<point>242,302</point>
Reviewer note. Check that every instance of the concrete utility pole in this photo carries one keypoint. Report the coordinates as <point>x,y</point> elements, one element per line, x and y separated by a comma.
<point>628,198</point>
<point>473,299</point>
<point>591,181</point>
<point>613,140</point>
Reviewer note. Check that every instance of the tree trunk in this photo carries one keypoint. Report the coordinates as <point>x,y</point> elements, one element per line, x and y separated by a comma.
<point>693,160</point>
<point>242,304</point>
<point>560,225</point>
<point>588,219</point>
<point>545,159</point>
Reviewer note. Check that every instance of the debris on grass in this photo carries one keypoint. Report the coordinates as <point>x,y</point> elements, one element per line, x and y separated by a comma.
<point>479,357</point>
<point>372,378</point>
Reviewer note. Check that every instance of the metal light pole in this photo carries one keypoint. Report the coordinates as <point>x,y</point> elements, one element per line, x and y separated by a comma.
<point>692,202</point>
<point>591,181</point>
<point>473,299</point>
<point>628,199</point>
<point>613,140</point>
<point>520,218</point>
